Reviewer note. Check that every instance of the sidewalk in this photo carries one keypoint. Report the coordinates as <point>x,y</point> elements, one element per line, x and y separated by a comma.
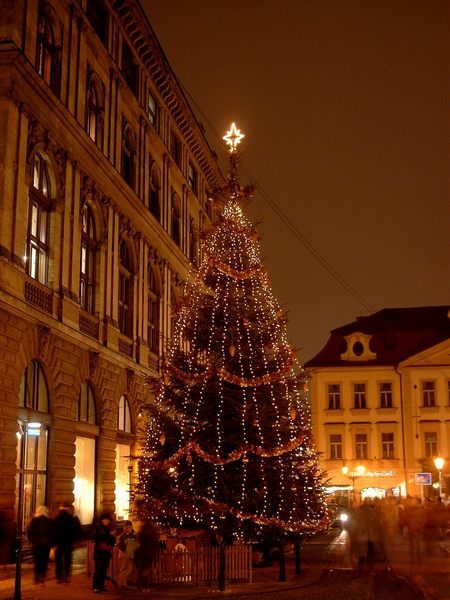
<point>80,587</point>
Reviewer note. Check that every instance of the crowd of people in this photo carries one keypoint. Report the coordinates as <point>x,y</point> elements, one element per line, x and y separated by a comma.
<point>58,534</point>
<point>374,527</point>
<point>55,538</point>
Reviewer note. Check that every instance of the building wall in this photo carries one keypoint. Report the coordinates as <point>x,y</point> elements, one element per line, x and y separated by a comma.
<point>408,420</point>
<point>44,321</point>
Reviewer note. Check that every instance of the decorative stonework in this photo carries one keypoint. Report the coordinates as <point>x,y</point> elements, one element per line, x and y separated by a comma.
<point>43,339</point>
<point>358,348</point>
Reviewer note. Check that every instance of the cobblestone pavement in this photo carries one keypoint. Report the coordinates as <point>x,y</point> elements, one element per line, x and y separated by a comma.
<point>327,573</point>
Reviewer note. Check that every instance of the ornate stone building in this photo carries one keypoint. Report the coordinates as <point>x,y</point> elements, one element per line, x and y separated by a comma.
<point>380,396</point>
<point>104,179</point>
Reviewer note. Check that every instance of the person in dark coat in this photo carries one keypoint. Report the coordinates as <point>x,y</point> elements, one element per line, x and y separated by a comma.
<point>41,535</point>
<point>67,530</point>
<point>146,554</point>
<point>104,542</point>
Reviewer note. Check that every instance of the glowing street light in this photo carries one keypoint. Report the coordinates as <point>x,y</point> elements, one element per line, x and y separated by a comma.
<point>439,464</point>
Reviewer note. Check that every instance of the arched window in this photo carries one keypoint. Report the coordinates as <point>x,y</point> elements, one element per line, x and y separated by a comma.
<point>33,388</point>
<point>39,221</point>
<point>125,291</point>
<point>85,455</point>
<point>176,220</point>
<point>124,415</point>
<point>32,443</point>
<point>86,404</point>
<point>153,312</point>
<point>48,50</point>
<point>128,155</point>
<point>87,265</point>
<point>95,111</point>
<point>155,202</point>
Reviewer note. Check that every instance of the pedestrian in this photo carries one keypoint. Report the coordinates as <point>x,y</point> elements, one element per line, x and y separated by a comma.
<point>366,536</point>
<point>414,519</point>
<point>67,531</point>
<point>104,542</point>
<point>146,554</point>
<point>127,548</point>
<point>41,535</point>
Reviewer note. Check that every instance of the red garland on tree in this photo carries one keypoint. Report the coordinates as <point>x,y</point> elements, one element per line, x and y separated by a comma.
<point>228,445</point>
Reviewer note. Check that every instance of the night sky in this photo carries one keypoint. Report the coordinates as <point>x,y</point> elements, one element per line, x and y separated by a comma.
<point>345,109</point>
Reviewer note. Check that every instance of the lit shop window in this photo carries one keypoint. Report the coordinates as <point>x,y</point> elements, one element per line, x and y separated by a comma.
<point>122,481</point>
<point>84,481</point>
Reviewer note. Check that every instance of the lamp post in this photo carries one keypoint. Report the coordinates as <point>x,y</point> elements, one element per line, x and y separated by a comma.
<point>439,464</point>
<point>359,472</point>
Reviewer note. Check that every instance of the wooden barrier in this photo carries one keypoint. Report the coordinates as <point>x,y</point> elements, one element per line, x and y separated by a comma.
<point>195,566</point>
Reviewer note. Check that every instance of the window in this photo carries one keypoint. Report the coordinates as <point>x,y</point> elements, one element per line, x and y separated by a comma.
<point>129,68</point>
<point>334,396</point>
<point>128,155</point>
<point>175,148</point>
<point>86,404</point>
<point>32,443</point>
<point>153,111</point>
<point>155,203</point>
<point>98,17</point>
<point>335,446</point>
<point>87,266</point>
<point>176,220</point>
<point>84,480</point>
<point>192,242</point>
<point>39,221</point>
<point>192,177</point>
<point>428,393</point>
<point>122,482</point>
<point>386,395</point>
<point>431,445</point>
<point>125,290</point>
<point>95,111</point>
<point>33,392</point>
<point>359,395</point>
<point>124,415</point>
<point>153,312</point>
<point>387,445</point>
<point>361,447</point>
<point>49,50</point>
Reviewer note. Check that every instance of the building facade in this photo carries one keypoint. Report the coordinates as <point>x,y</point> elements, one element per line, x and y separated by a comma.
<point>104,187</point>
<point>380,395</point>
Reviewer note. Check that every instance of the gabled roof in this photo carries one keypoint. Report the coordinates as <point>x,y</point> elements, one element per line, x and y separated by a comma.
<point>395,334</point>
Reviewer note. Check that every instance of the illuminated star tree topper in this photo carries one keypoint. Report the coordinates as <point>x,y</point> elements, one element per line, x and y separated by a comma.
<point>229,446</point>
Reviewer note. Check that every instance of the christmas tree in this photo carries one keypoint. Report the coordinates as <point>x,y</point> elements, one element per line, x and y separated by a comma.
<point>228,446</point>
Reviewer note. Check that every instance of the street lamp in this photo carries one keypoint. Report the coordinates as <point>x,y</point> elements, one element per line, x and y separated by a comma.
<point>439,464</point>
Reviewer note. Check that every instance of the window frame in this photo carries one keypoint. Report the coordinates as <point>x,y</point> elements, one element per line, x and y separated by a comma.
<point>387,445</point>
<point>428,394</point>
<point>430,440</point>
<point>334,396</point>
<point>335,446</point>
<point>361,446</point>
<point>125,291</point>
<point>385,395</point>
<point>360,396</point>
<point>89,248</point>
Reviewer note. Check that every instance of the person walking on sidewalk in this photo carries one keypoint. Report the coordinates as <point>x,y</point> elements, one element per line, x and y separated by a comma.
<point>104,542</point>
<point>127,547</point>
<point>67,530</point>
<point>41,535</point>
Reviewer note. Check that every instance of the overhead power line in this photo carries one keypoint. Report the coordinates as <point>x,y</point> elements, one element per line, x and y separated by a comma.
<point>285,219</point>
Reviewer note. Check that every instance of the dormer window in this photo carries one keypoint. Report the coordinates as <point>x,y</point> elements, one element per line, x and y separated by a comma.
<point>358,347</point>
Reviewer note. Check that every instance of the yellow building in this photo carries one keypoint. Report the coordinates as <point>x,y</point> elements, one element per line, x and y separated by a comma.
<point>104,185</point>
<point>380,395</point>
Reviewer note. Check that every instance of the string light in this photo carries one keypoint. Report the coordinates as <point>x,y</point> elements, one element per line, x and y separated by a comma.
<point>228,442</point>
